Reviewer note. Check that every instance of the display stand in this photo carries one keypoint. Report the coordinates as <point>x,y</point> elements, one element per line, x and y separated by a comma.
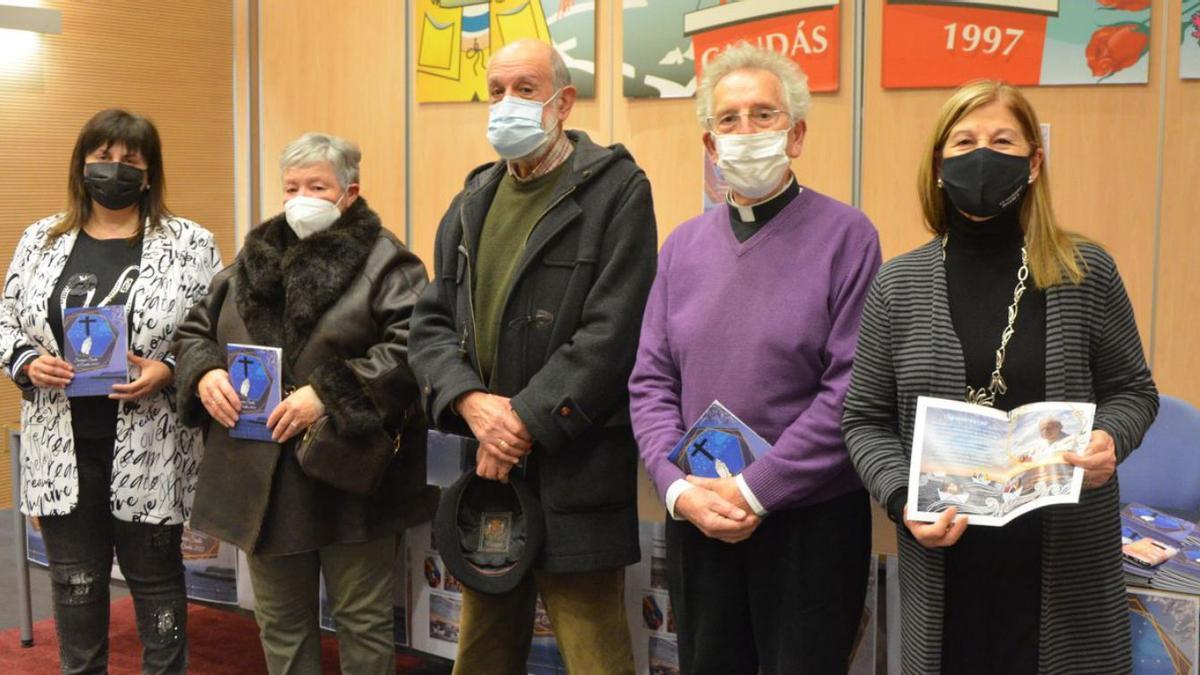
<point>24,604</point>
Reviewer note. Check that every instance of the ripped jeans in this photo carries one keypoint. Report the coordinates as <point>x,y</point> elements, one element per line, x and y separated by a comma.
<point>80,547</point>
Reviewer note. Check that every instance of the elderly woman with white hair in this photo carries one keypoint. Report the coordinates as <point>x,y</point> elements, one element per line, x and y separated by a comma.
<point>757,304</point>
<point>332,289</point>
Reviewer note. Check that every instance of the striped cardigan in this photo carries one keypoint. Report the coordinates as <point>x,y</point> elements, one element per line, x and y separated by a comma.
<point>908,348</point>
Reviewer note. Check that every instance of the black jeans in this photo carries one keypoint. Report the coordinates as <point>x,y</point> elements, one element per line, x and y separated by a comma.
<point>80,547</point>
<point>786,601</point>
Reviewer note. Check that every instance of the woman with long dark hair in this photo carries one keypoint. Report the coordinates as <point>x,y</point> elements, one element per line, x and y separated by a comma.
<point>113,470</point>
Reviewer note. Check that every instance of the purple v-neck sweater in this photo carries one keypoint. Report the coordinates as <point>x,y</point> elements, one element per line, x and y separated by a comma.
<point>768,327</point>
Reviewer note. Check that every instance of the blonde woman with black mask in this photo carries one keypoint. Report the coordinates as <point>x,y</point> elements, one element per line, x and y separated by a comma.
<point>1044,593</point>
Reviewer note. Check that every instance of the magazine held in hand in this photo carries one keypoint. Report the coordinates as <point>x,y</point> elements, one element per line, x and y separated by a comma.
<point>991,465</point>
<point>718,445</point>
<point>255,375</point>
<point>96,342</point>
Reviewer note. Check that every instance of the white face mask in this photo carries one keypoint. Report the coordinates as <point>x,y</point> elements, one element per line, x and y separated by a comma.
<point>515,127</point>
<point>753,164</point>
<point>309,215</point>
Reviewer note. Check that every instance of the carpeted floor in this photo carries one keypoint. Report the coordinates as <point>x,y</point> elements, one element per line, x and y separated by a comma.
<point>220,642</point>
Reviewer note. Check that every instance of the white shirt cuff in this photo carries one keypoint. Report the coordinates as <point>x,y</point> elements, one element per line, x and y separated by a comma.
<point>755,505</point>
<point>677,488</point>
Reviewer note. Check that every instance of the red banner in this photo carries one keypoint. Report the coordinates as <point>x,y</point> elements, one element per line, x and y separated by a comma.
<point>945,46</point>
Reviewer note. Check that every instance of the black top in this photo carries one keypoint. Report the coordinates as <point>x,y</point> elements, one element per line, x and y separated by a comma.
<point>763,213</point>
<point>993,574</point>
<point>98,272</point>
<point>982,260</point>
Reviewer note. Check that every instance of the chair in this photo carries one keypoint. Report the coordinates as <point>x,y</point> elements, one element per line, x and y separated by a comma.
<point>1164,472</point>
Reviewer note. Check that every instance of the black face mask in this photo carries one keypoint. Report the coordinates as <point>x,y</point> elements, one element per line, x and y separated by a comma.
<point>985,183</point>
<point>113,184</point>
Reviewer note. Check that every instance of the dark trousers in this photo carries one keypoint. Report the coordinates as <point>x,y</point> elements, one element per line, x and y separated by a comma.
<point>80,547</point>
<point>788,600</point>
<point>359,581</point>
<point>993,602</point>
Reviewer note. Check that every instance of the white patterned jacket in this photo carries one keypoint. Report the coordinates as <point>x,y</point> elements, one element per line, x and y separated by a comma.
<point>155,458</point>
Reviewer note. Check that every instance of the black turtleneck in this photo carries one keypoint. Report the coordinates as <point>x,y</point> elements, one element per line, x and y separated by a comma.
<point>982,259</point>
<point>763,213</point>
<point>993,574</point>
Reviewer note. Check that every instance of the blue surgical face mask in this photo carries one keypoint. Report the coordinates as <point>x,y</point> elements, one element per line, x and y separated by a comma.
<point>515,126</point>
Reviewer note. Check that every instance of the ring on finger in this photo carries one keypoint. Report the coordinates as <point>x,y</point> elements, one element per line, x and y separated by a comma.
<point>503,444</point>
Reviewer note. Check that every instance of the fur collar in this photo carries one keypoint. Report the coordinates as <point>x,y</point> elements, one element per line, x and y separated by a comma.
<point>286,284</point>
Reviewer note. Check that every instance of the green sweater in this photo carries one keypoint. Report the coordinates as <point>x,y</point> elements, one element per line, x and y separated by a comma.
<point>515,211</point>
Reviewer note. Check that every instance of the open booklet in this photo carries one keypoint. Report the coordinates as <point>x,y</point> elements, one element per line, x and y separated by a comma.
<point>991,465</point>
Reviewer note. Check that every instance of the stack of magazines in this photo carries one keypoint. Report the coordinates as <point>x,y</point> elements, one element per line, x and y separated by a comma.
<point>1161,550</point>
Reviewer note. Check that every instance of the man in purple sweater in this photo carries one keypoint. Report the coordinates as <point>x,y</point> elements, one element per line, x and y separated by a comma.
<point>756,304</point>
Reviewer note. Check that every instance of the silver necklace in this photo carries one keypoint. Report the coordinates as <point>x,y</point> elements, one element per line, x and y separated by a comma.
<point>987,395</point>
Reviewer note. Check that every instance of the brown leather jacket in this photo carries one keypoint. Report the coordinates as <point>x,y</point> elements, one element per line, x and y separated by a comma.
<point>338,303</point>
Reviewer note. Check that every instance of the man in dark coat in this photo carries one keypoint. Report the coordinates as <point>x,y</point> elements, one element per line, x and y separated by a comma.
<point>525,341</point>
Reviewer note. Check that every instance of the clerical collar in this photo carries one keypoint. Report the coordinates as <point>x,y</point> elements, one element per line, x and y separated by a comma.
<point>763,211</point>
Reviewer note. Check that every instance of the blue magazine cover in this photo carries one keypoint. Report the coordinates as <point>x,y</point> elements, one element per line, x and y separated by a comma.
<point>1162,526</point>
<point>718,445</point>
<point>96,340</point>
<point>256,377</point>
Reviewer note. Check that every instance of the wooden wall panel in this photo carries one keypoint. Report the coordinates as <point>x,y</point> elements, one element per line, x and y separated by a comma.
<point>170,61</point>
<point>1103,162</point>
<point>243,74</point>
<point>1176,357</point>
<point>448,141</point>
<point>326,68</point>
<point>184,84</point>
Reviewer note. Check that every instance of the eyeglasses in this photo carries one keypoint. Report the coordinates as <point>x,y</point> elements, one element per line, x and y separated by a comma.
<point>760,118</point>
